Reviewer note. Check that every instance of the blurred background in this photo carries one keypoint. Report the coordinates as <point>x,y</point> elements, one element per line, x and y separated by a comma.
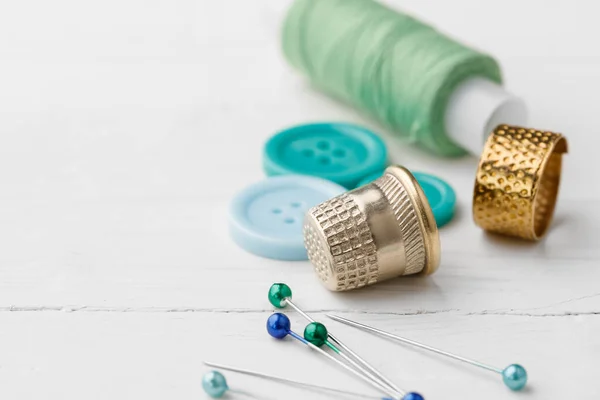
<point>125,128</point>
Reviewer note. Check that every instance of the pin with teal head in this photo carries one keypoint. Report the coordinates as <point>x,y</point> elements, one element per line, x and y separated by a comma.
<point>292,382</point>
<point>514,376</point>
<point>280,296</point>
<point>215,385</point>
<point>279,326</point>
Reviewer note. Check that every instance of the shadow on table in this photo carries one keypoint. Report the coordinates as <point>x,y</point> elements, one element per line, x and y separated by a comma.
<point>563,222</point>
<point>407,292</point>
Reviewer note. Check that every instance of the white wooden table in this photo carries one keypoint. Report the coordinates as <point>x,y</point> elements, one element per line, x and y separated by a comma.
<point>126,127</point>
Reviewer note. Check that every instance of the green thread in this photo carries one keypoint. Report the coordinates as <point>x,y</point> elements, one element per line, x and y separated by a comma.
<point>387,63</point>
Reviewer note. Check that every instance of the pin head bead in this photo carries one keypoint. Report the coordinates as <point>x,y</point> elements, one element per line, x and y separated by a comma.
<point>515,377</point>
<point>214,384</point>
<point>413,396</point>
<point>278,293</point>
<point>316,333</point>
<point>278,325</point>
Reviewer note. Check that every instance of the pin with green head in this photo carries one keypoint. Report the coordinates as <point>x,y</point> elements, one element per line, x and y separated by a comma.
<point>279,327</point>
<point>278,294</point>
<point>316,333</point>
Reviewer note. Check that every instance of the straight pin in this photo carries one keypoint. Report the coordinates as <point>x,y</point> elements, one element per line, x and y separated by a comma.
<point>514,376</point>
<point>215,385</point>
<point>279,326</point>
<point>317,334</point>
<point>290,381</point>
<point>280,295</point>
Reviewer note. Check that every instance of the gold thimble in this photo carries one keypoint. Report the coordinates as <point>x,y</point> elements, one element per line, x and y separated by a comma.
<point>517,181</point>
<point>379,231</point>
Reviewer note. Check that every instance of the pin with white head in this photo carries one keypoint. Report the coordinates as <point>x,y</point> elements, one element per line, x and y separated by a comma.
<point>279,326</point>
<point>280,295</point>
<point>514,376</point>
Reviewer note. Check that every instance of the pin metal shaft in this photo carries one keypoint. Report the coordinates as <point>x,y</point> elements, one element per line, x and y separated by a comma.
<point>243,393</point>
<point>353,362</point>
<point>372,371</point>
<point>287,381</point>
<point>412,343</point>
<point>393,393</point>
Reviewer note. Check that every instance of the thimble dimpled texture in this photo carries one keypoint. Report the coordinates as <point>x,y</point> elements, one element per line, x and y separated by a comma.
<point>373,233</point>
<point>347,238</point>
<point>517,181</point>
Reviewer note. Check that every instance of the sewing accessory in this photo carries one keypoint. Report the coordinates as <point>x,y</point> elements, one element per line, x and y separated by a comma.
<point>280,295</point>
<point>373,233</point>
<point>290,381</point>
<point>266,217</point>
<point>428,88</point>
<point>440,195</point>
<point>316,333</point>
<point>215,385</point>
<point>517,181</point>
<point>279,326</point>
<point>514,376</point>
<point>343,153</point>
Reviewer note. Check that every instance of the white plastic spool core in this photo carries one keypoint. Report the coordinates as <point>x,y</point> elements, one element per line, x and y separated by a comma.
<point>476,107</point>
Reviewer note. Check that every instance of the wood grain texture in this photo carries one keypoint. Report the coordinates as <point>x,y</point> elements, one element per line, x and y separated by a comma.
<point>127,126</point>
<point>157,356</point>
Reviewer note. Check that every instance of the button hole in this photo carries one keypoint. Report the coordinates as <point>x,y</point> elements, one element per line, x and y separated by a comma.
<point>289,220</point>
<point>339,153</point>
<point>323,145</point>
<point>276,211</point>
<point>324,160</point>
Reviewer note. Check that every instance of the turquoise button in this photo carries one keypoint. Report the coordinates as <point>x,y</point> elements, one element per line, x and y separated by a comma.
<point>342,153</point>
<point>440,195</point>
<point>266,218</point>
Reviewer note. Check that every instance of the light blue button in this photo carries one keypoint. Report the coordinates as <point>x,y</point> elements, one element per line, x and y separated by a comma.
<point>440,195</point>
<point>342,153</point>
<point>266,218</point>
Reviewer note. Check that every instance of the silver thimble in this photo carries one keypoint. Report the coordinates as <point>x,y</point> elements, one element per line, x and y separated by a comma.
<point>379,231</point>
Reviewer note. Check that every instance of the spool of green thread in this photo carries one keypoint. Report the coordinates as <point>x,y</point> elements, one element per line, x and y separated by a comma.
<point>392,66</point>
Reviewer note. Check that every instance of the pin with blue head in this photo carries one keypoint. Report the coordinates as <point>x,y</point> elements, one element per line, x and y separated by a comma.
<point>279,326</point>
<point>280,295</point>
<point>315,333</point>
<point>413,396</point>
